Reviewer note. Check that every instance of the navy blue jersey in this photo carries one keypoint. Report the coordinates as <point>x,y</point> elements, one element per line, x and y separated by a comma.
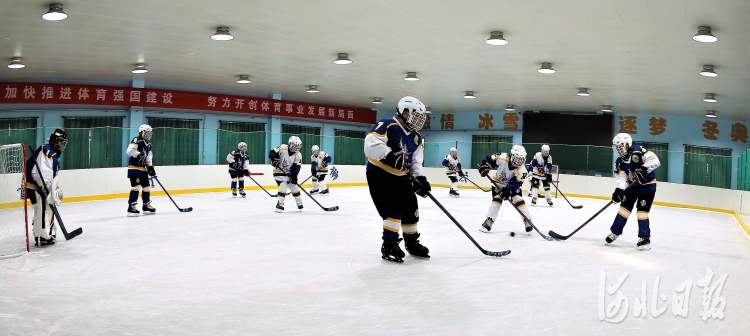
<point>49,164</point>
<point>540,165</point>
<point>237,157</point>
<point>388,135</point>
<point>640,160</point>
<point>139,146</point>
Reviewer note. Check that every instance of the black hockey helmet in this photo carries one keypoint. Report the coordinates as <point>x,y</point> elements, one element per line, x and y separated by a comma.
<point>58,140</point>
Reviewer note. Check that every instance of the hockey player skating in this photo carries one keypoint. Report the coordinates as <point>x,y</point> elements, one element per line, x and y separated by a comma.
<point>395,150</point>
<point>541,172</point>
<point>140,167</point>
<point>452,164</point>
<point>634,165</point>
<point>510,174</point>
<point>239,165</point>
<point>319,169</point>
<point>287,161</point>
<point>47,157</point>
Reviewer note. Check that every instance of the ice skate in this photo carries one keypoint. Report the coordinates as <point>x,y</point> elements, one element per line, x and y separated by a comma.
<point>234,192</point>
<point>314,191</point>
<point>324,191</point>
<point>453,193</point>
<point>242,192</point>
<point>549,202</point>
<point>533,201</point>
<point>487,225</point>
<point>391,250</point>
<point>415,248</point>
<point>528,225</point>
<point>132,211</point>
<point>148,209</point>
<point>611,238</point>
<point>299,206</point>
<point>45,242</point>
<point>279,207</point>
<point>644,244</point>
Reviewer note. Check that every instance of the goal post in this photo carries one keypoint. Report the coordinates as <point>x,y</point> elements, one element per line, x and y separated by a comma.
<point>14,228</point>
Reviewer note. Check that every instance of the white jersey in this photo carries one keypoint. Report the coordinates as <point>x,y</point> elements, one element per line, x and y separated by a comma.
<point>541,166</point>
<point>286,162</point>
<point>453,165</point>
<point>505,174</point>
<point>320,162</point>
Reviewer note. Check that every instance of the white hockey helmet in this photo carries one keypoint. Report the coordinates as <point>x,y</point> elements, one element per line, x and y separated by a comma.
<point>294,144</point>
<point>145,132</point>
<point>417,112</point>
<point>242,146</point>
<point>622,144</point>
<point>545,150</point>
<point>315,149</point>
<point>517,155</point>
<point>454,152</point>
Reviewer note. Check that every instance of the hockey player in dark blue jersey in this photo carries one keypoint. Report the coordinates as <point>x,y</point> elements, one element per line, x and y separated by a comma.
<point>452,164</point>
<point>140,167</point>
<point>395,150</point>
<point>47,158</point>
<point>635,166</point>
<point>541,172</point>
<point>239,166</point>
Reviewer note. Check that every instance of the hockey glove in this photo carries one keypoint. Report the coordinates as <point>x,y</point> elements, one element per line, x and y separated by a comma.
<point>461,173</point>
<point>639,176</point>
<point>141,159</point>
<point>506,193</point>
<point>618,195</point>
<point>244,172</point>
<point>151,171</point>
<point>275,162</point>
<point>549,178</point>
<point>421,186</point>
<point>293,179</point>
<point>324,164</point>
<point>396,158</point>
<point>484,170</point>
<point>236,165</point>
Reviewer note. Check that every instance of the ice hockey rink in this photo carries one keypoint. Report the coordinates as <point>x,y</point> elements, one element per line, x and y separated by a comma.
<point>234,267</point>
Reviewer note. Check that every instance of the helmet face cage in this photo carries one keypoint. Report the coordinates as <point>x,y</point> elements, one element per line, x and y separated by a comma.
<point>545,151</point>
<point>145,132</point>
<point>294,144</point>
<point>454,152</point>
<point>416,119</point>
<point>518,160</point>
<point>620,144</point>
<point>242,147</point>
<point>315,150</point>
<point>61,143</point>
<point>59,139</point>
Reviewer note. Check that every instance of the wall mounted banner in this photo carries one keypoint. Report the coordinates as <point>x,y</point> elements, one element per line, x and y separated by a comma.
<point>32,93</point>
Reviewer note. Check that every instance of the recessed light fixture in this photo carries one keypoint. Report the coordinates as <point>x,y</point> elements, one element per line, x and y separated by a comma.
<point>312,89</point>
<point>496,38</point>
<point>343,59</point>
<point>470,95</point>
<point>711,114</point>
<point>244,79</point>
<point>510,108</point>
<point>222,34</point>
<point>428,109</point>
<point>704,35</point>
<point>583,92</point>
<point>377,100</point>
<point>708,71</point>
<point>411,76</point>
<point>55,13</point>
<point>140,68</point>
<point>710,98</point>
<point>607,108</point>
<point>546,68</point>
<point>16,63</point>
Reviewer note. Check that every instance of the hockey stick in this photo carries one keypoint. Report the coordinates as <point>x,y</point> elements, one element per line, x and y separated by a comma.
<point>299,185</point>
<point>264,189</point>
<point>68,236</point>
<point>521,213</point>
<point>566,199</point>
<point>557,236</point>
<point>489,253</point>
<point>170,197</point>
<point>480,188</point>
<point>303,182</point>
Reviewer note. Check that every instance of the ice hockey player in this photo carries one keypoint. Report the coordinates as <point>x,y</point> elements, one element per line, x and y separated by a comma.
<point>635,166</point>
<point>239,166</point>
<point>287,161</point>
<point>47,158</point>
<point>511,172</point>
<point>395,151</point>
<point>319,169</point>
<point>140,167</point>
<point>541,171</point>
<point>452,164</point>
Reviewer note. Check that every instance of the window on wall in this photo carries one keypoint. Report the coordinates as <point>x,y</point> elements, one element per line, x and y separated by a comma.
<point>19,130</point>
<point>484,145</point>
<point>708,166</point>
<point>309,136</point>
<point>743,173</point>
<point>349,147</point>
<point>175,141</point>
<point>232,133</point>
<point>93,142</point>
<point>662,152</point>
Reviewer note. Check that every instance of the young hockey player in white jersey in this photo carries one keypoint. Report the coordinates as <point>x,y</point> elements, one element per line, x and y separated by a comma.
<point>395,151</point>
<point>287,161</point>
<point>45,160</point>
<point>140,167</point>
<point>634,166</point>
<point>510,174</point>
<point>319,162</point>
<point>541,171</point>
<point>452,164</point>
<point>239,166</point>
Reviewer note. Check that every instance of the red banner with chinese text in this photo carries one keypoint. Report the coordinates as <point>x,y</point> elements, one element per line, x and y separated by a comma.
<point>32,93</point>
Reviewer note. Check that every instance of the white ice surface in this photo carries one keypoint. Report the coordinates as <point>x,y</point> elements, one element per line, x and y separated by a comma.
<point>233,266</point>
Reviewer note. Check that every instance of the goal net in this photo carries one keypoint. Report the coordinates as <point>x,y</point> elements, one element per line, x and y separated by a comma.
<point>14,237</point>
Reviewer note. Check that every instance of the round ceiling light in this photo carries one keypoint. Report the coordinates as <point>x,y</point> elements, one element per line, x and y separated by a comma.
<point>312,89</point>
<point>708,71</point>
<point>55,13</point>
<point>704,35</point>
<point>16,63</point>
<point>546,68</point>
<point>710,98</point>
<point>711,114</point>
<point>140,68</point>
<point>607,108</point>
<point>244,79</point>
<point>222,34</point>
<point>411,76</point>
<point>583,92</point>
<point>377,100</point>
<point>343,58</point>
<point>470,95</point>
<point>496,38</point>
<point>510,108</point>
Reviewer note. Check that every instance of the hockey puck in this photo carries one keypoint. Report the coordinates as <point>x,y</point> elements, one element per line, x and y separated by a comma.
<point>512,234</point>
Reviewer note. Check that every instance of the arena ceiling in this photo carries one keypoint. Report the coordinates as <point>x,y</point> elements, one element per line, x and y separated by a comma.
<point>636,55</point>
